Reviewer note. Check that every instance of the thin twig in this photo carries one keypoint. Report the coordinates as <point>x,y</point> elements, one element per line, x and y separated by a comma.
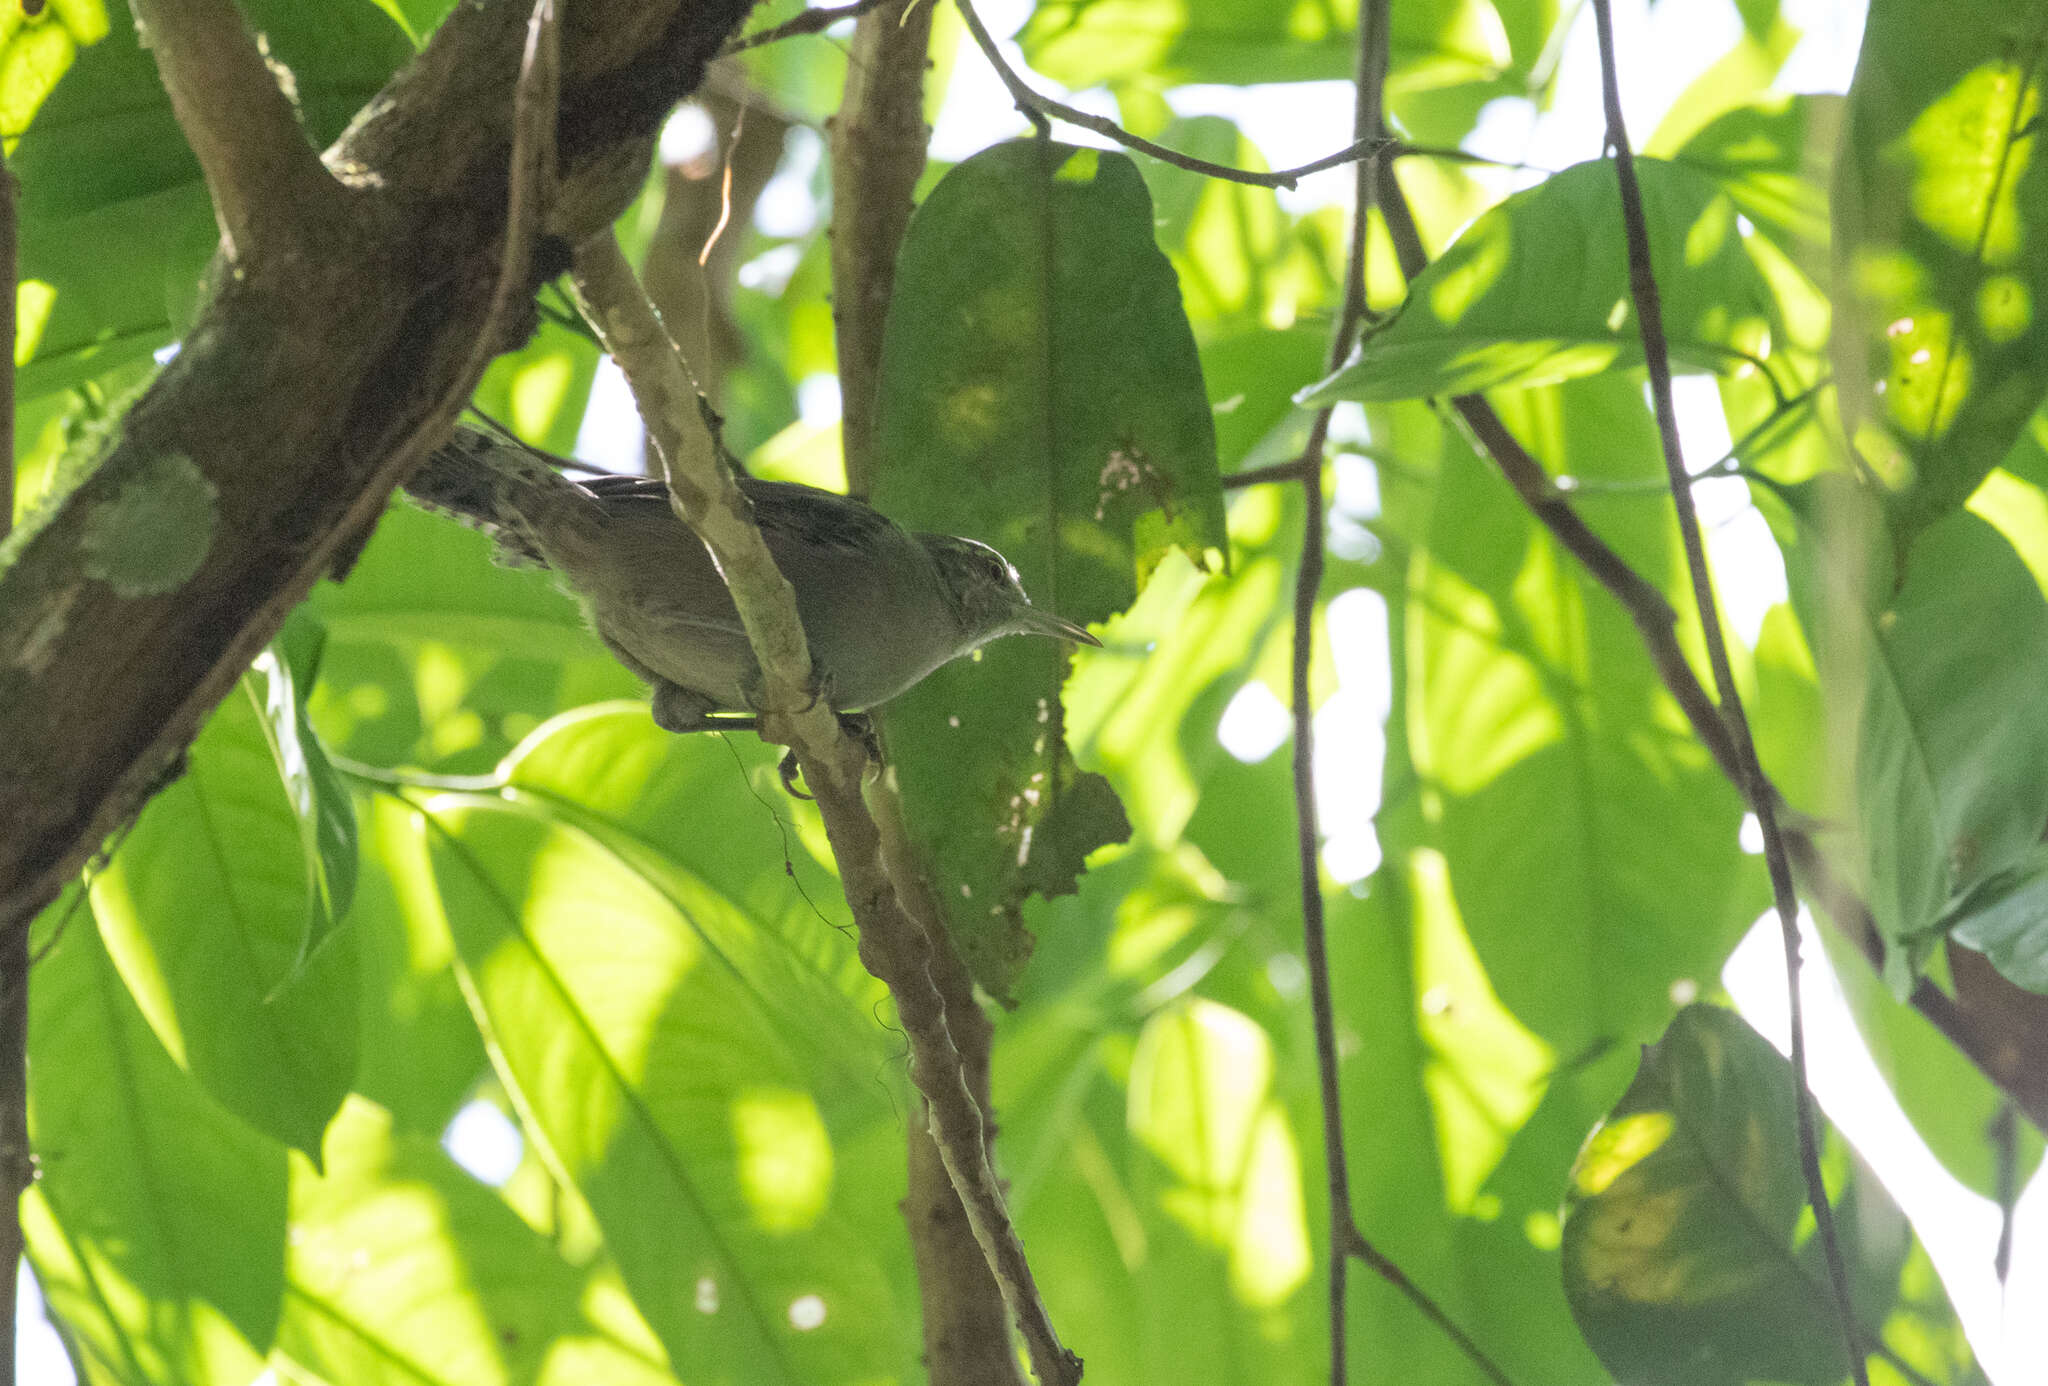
<point>1368,75</point>
<point>1296,469</point>
<point>531,173</point>
<point>877,140</point>
<point>892,945</point>
<point>1750,776</point>
<point>2004,1060</point>
<point>17,1163</point>
<point>1345,1238</point>
<point>1039,108</point>
<point>815,21</point>
<point>270,191</point>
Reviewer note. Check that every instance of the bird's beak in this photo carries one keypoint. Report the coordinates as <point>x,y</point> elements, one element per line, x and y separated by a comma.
<point>1031,621</point>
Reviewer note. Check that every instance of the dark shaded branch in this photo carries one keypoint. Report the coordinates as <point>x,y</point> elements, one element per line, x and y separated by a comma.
<point>967,1339</point>
<point>813,21</point>
<point>310,384</point>
<point>877,140</point>
<point>271,193</point>
<point>1345,1239</point>
<point>878,152</point>
<point>2007,1039</point>
<point>1039,108</point>
<point>1756,789</point>
<point>1369,77</point>
<point>892,945</point>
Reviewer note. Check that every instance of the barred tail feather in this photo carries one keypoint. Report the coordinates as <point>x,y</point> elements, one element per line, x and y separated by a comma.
<point>495,486</point>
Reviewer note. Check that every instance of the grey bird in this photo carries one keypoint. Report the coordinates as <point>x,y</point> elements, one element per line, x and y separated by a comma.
<point>881,606</point>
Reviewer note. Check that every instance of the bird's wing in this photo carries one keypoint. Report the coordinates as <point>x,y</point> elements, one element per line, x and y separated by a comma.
<point>788,513</point>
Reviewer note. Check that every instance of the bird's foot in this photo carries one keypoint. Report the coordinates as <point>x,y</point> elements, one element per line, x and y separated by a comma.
<point>857,725</point>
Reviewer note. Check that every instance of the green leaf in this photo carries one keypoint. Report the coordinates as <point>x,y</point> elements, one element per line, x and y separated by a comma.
<point>320,801</point>
<point>157,1222</point>
<point>706,1143</point>
<point>1947,1097</point>
<point>114,220</point>
<point>1041,391</point>
<point>1950,769</point>
<point>1571,795</point>
<point>1774,157</point>
<point>1536,291</point>
<point>1083,43</point>
<point>421,1056</point>
<point>761,883</point>
<point>404,1270</point>
<point>2006,919</point>
<point>437,657</point>
<point>1217,1157</point>
<point>36,52</point>
<point>1687,1255</point>
<point>204,908</point>
<point>1941,349</point>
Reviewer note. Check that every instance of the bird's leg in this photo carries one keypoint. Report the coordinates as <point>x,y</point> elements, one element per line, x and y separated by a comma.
<point>681,710</point>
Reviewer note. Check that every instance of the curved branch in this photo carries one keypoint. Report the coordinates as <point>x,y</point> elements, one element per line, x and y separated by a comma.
<point>271,193</point>
<point>1749,777</point>
<point>309,386</point>
<point>1039,108</point>
<point>892,945</point>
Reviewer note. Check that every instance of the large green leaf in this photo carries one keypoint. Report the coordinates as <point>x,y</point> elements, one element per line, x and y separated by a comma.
<point>1774,157</point>
<point>1536,291</point>
<point>437,657</point>
<point>1688,1254</point>
<point>205,908</point>
<point>1947,1097</point>
<point>1942,262</point>
<point>1041,391</point>
<point>706,1141</point>
<point>404,1271</point>
<point>1571,792</point>
<point>114,221</point>
<point>157,1222</point>
<point>1934,684</point>
<point>647,795</point>
<point>421,1057</point>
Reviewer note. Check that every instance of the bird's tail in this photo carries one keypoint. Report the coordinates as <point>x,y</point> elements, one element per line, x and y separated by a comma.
<point>496,485</point>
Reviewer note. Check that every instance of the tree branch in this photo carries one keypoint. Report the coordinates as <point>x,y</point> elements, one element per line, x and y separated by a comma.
<point>878,153</point>
<point>307,388</point>
<point>2009,1042</point>
<point>812,21</point>
<point>878,139</point>
<point>271,194</point>
<point>1750,777</point>
<point>1345,1238</point>
<point>1039,108</point>
<point>892,946</point>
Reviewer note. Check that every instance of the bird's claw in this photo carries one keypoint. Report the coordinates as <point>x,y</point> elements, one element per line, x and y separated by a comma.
<point>857,725</point>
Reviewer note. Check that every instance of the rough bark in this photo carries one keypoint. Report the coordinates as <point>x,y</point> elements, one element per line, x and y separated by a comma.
<point>332,354</point>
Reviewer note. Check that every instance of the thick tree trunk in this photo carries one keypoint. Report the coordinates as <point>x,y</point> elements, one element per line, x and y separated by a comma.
<point>334,352</point>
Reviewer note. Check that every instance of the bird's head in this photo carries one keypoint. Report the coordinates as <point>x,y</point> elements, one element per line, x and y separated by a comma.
<point>986,593</point>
